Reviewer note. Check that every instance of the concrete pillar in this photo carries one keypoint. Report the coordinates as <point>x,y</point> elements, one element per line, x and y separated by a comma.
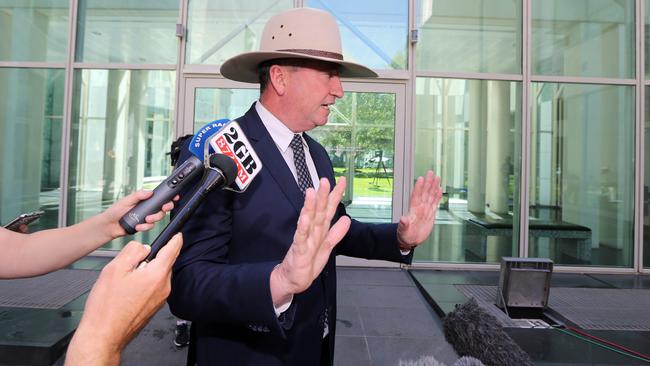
<point>499,156</point>
<point>476,146</point>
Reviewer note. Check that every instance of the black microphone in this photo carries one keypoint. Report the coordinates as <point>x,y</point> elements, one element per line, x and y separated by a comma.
<point>183,175</point>
<point>221,172</point>
<point>166,190</point>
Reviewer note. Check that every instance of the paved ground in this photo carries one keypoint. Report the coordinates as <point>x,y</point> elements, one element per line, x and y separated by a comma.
<point>382,320</point>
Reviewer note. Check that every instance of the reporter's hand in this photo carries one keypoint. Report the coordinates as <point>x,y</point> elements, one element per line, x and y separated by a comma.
<point>113,214</point>
<point>121,302</point>
<point>313,242</point>
<point>23,229</point>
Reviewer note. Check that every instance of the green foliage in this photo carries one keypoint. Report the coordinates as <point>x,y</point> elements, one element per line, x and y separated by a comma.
<point>359,125</point>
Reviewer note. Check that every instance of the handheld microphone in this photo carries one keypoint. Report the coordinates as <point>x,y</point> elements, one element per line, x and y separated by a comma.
<point>182,175</point>
<point>232,141</point>
<point>221,172</point>
<point>234,158</point>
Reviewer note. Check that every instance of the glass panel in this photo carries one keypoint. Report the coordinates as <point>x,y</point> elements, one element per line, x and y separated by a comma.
<point>31,117</point>
<point>211,104</point>
<point>583,38</point>
<point>469,36</point>
<point>359,138</point>
<point>121,129</point>
<point>582,174</point>
<point>467,131</point>
<point>34,30</point>
<point>218,30</point>
<point>124,31</point>
<point>377,39</point>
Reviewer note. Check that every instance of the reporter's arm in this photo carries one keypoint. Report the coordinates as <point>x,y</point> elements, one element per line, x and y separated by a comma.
<point>26,255</point>
<point>121,302</point>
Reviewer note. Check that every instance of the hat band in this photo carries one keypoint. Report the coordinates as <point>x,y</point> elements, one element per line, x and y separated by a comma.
<point>317,53</point>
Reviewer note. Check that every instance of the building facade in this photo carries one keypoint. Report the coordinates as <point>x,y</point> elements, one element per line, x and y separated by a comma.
<point>533,112</point>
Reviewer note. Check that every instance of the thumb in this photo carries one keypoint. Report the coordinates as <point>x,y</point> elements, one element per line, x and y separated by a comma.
<point>132,254</point>
<point>167,254</point>
<point>404,222</point>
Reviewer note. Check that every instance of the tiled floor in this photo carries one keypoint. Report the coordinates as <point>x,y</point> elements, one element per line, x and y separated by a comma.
<point>382,319</point>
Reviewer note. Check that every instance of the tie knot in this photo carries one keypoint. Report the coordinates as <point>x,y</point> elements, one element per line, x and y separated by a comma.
<point>296,142</point>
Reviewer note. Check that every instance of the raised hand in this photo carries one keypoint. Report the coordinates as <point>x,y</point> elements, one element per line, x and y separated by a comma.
<point>415,227</point>
<point>312,244</point>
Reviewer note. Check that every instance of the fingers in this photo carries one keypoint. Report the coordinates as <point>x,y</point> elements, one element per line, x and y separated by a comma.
<point>168,254</point>
<point>337,232</point>
<point>322,196</point>
<point>144,227</point>
<point>168,206</point>
<point>335,197</point>
<point>417,192</point>
<point>135,197</point>
<point>153,218</point>
<point>305,220</point>
<point>132,254</point>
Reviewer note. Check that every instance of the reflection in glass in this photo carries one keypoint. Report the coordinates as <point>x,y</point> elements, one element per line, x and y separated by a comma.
<point>467,131</point>
<point>214,103</point>
<point>376,39</point>
<point>583,38</point>
<point>31,115</point>
<point>360,140</point>
<point>122,127</point>
<point>469,36</point>
<point>218,30</point>
<point>582,174</point>
<point>34,30</point>
<point>123,31</point>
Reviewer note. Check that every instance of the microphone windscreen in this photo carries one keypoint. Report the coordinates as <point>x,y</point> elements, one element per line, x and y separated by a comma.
<point>226,165</point>
<point>472,331</point>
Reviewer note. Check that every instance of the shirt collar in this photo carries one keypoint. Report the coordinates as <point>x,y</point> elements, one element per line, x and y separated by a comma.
<point>280,133</point>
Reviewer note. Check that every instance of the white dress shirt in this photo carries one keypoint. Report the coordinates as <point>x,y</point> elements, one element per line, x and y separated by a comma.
<point>282,136</point>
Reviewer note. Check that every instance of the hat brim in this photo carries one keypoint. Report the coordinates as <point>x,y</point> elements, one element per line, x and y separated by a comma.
<point>243,67</point>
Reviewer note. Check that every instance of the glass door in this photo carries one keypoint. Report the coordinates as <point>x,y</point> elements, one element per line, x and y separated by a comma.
<point>364,138</point>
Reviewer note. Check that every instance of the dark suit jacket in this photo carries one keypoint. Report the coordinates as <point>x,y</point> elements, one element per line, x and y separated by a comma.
<point>233,241</point>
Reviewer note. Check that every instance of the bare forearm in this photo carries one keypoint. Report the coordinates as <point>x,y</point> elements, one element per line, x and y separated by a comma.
<point>89,349</point>
<point>49,250</point>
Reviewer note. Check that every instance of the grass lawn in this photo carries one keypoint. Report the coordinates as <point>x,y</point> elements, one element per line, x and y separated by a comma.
<point>366,185</point>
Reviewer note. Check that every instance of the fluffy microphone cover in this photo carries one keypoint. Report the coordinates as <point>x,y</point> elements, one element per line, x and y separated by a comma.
<point>474,332</point>
<point>431,361</point>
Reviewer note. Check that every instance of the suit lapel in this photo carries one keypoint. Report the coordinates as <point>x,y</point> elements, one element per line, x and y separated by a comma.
<point>321,159</point>
<point>272,160</point>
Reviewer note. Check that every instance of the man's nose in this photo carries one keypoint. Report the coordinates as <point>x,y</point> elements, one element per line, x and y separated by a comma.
<point>336,88</point>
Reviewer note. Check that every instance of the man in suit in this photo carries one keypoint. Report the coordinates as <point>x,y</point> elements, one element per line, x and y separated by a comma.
<point>256,294</point>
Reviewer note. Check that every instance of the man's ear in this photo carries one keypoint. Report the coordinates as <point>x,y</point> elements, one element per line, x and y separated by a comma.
<point>278,79</point>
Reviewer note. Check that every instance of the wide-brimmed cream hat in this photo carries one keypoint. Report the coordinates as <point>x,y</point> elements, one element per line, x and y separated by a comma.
<point>297,33</point>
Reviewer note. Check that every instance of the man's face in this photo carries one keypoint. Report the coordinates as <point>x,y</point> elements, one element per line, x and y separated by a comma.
<point>311,89</point>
